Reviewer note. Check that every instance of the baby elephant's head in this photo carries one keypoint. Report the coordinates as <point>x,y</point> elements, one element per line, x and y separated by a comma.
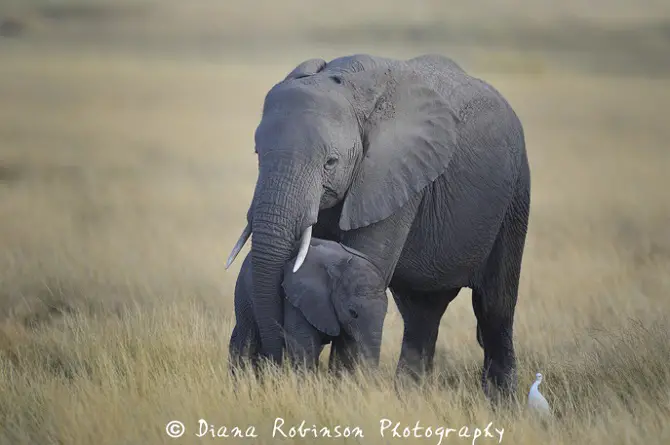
<point>340,293</point>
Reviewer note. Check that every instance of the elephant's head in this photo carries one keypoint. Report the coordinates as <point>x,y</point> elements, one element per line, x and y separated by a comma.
<point>365,132</point>
<point>338,292</point>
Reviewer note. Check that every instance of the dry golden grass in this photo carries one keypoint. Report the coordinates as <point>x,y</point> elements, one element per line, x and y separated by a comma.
<point>124,181</point>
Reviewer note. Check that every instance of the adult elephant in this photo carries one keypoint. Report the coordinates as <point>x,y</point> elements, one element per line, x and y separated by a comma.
<point>414,163</point>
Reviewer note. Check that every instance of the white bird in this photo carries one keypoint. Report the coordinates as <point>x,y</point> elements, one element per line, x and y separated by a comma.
<point>536,400</point>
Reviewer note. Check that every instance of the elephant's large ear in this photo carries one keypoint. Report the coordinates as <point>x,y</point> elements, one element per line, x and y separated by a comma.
<point>409,139</point>
<point>307,68</point>
<point>309,289</point>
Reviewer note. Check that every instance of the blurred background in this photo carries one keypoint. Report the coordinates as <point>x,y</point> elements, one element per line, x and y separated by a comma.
<point>126,139</point>
<point>127,165</point>
<point>605,36</point>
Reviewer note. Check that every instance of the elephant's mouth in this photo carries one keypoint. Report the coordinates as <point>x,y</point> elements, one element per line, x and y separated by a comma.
<point>329,197</point>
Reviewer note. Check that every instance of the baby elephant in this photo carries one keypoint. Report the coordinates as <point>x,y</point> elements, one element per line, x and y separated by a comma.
<point>337,296</point>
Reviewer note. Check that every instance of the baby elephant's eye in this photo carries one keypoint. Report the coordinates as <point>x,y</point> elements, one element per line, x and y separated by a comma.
<point>353,313</point>
<point>331,162</point>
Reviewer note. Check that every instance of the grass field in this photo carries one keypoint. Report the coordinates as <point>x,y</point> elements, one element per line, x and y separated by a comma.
<point>126,168</point>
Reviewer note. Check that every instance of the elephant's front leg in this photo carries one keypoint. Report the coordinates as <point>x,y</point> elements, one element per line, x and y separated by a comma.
<point>421,315</point>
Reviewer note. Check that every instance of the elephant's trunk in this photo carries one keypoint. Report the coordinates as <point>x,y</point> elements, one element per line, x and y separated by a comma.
<point>284,209</point>
<point>371,351</point>
<point>271,247</point>
<point>366,331</point>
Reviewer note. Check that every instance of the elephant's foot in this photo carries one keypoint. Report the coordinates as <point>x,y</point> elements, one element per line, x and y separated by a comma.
<point>303,366</point>
<point>241,362</point>
<point>341,368</point>
<point>406,381</point>
<point>411,375</point>
<point>499,382</point>
<point>244,367</point>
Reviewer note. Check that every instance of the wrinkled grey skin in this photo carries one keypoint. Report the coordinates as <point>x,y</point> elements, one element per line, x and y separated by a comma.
<point>337,296</point>
<point>414,163</point>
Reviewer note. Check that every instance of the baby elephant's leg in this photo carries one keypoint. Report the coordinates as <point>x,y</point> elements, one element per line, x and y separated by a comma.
<point>343,355</point>
<point>304,342</point>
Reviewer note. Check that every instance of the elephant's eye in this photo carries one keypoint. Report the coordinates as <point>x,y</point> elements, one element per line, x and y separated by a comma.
<point>353,313</point>
<point>331,162</point>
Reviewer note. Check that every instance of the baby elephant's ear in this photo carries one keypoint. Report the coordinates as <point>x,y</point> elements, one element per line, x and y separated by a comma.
<point>309,290</point>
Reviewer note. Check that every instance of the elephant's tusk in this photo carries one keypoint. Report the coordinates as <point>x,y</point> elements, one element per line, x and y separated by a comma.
<point>304,247</point>
<point>246,233</point>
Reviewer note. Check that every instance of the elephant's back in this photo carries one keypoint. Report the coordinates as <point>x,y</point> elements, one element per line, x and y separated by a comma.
<point>453,83</point>
<point>486,120</point>
<point>357,63</point>
<point>440,73</point>
<point>436,63</point>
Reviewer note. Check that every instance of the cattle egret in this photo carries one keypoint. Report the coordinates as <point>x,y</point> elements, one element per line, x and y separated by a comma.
<point>536,400</point>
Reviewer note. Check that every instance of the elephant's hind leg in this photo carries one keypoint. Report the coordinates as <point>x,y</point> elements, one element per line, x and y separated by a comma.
<point>494,297</point>
<point>421,315</point>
